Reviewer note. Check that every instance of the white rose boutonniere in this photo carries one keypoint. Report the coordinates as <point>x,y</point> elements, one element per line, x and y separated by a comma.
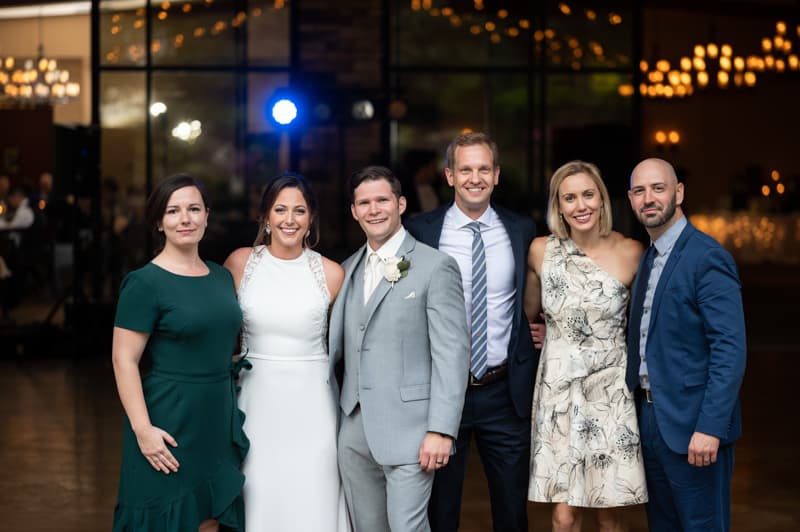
<point>395,268</point>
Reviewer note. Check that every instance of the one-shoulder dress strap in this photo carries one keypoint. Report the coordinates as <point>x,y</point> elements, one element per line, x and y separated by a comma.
<point>249,267</point>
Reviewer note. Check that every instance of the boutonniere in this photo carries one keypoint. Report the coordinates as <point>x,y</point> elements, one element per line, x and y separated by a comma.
<point>395,268</point>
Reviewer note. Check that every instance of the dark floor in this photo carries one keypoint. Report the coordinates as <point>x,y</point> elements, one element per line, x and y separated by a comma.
<point>60,434</point>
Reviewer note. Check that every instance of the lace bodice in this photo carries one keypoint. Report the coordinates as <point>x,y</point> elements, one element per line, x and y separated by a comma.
<point>285,306</point>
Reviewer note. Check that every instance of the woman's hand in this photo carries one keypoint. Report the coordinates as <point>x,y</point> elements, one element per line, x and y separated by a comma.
<point>152,444</point>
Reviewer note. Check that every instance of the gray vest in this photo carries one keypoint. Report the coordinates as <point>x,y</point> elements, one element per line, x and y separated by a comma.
<point>355,313</point>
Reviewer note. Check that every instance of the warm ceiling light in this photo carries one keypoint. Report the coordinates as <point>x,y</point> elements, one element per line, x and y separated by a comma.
<point>674,77</point>
<point>780,27</point>
<point>792,60</point>
<point>750,78</point>
<point>686,78</point>
<point>686,63</point>
<point>725,63</point>
<point>738,79</point>
<point>712,50</point>
<point>699,63</point>
<point>702,78</point>
<point>643,65</point>
<point>503,13</point>
<point>564,8</point>
<point>778,41</point>
<point>674,137</point>
<point>662,65</point>
<point>765,191</point>
<point>766,44</point>
<point>769,62</point>
<point>726,50</point>
<point>699,50</point>
<point>661,137</point>
<point>655,76</point>
<point>626,89</point>
<point>723,78</point>
<point>738,63</point>
<point>669,91</point>
<point>780,65</point>
<point>775,175</point>
<point>779,188</point>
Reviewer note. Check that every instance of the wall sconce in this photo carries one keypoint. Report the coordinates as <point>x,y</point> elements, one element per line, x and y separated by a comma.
<point>671,138</point>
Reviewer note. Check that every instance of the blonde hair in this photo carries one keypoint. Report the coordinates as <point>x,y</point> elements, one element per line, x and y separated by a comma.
<point>555,222</point>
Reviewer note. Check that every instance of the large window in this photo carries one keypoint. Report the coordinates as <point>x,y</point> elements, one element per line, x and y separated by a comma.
<point>183,88</point>
<point>549,81</point>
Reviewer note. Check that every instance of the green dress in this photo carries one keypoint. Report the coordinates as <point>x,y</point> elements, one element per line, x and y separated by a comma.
<point>193,323</point>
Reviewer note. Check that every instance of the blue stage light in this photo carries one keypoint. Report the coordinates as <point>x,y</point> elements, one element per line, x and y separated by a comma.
<point>284,111</point>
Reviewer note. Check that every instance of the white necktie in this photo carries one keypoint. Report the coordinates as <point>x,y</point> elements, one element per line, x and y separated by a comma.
<point>372,275</point>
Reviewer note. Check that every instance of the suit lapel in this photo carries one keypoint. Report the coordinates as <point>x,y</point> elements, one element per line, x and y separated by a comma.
<point>669,268</point>
<point>406,250</point>
<point>435,221</point>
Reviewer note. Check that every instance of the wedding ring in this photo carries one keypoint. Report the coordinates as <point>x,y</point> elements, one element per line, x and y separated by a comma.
<point>439,461</point>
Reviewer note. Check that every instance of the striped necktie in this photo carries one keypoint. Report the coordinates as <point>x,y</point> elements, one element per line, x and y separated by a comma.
<point>478,362</point>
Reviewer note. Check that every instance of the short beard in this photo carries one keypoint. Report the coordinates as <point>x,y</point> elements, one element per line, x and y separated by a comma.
<point>665,217</point>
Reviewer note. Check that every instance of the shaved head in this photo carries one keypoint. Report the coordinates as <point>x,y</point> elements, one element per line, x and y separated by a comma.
<point>653,165</point>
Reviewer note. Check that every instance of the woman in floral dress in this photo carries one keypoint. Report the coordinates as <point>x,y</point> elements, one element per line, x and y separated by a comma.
<point>585,450</point>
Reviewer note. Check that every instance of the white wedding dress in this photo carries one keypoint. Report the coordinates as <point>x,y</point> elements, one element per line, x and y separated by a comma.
<point>292,478</point>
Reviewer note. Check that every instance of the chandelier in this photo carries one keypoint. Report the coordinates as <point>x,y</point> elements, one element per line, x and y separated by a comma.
<point>37,80</point>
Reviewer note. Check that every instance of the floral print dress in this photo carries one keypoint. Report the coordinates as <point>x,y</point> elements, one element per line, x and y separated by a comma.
<point>585,448</point>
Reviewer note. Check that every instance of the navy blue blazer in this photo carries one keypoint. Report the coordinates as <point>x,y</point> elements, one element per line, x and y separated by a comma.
<point>523,358</point>
<point>696,346</point>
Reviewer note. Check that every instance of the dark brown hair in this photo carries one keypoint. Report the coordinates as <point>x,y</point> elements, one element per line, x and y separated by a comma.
<point>270,194</point>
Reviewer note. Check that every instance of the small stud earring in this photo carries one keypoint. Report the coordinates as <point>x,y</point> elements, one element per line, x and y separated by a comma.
<point>267,228</point>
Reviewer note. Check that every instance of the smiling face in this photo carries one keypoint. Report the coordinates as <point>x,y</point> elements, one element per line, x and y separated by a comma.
<point>377,210</point>
<point>473,177</point>
<point>185,218</point>
<point>289,219</point>
<point>655,196</point>
<point>580,203</point>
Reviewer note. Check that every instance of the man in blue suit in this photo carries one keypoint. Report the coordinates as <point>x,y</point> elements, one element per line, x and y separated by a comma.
<point>686,355</point>
<point>490,245</point>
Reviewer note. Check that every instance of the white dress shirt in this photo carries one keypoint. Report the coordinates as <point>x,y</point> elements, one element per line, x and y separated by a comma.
<point>373,270</point>
<point>456,241</point>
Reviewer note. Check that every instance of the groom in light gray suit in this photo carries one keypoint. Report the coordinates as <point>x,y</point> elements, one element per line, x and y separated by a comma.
<point>399,322</point>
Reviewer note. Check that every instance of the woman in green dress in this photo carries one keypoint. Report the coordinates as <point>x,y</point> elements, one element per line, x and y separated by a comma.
<point>183,442</point>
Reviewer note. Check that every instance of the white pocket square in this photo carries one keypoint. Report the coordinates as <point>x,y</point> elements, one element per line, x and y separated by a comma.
<point>411,295</point>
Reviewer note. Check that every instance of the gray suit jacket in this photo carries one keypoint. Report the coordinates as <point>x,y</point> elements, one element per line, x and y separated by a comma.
<point>406,353</point>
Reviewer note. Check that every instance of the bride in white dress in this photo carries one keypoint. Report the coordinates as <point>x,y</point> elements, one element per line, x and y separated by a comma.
<point>285,290</point>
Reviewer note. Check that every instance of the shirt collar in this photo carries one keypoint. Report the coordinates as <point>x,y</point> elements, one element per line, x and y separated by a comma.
<point>461,220</point>
<point>391,246</point>
<point>665,242</point>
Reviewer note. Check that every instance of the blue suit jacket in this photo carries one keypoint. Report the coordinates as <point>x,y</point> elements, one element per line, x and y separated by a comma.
<point>523,358</point>
<point>696,346</point>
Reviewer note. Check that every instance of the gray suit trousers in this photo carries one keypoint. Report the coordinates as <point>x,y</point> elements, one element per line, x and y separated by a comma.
<point>380,498</point>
